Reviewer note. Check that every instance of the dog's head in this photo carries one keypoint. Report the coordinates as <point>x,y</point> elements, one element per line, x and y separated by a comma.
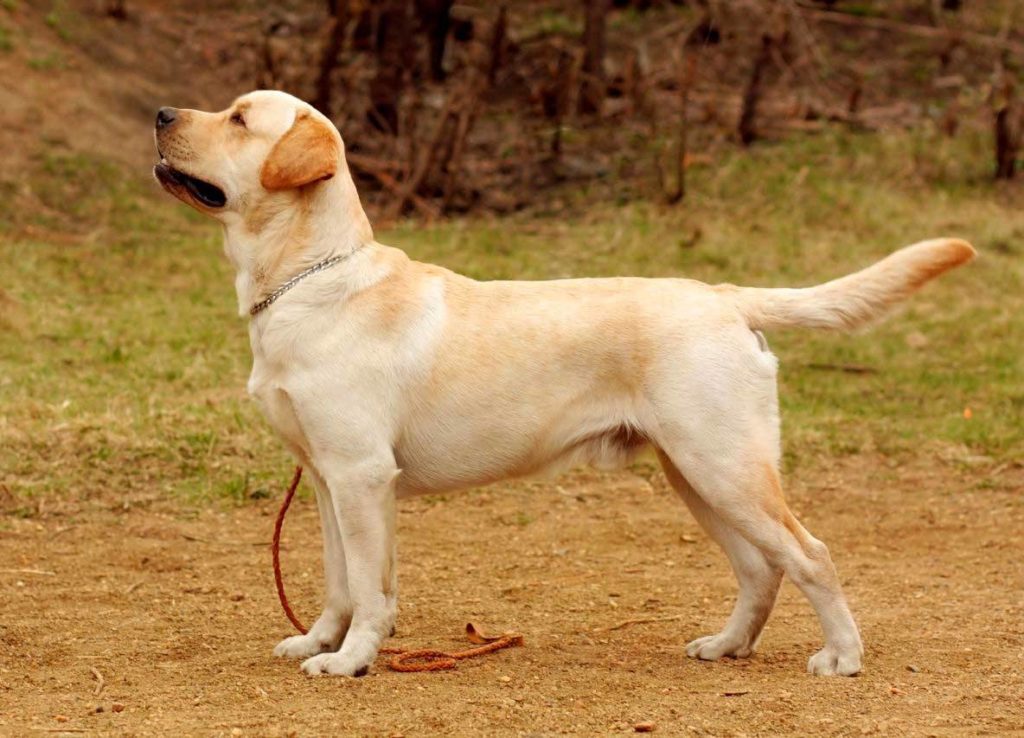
<point>265,145</point>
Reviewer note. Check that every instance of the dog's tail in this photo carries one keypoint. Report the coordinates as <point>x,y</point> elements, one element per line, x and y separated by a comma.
<point>858,298</point>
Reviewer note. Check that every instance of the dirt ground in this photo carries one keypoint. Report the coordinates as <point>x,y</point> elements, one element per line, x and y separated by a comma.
<point>174,608</point>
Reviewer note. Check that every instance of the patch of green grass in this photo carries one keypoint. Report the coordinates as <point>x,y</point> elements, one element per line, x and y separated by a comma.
<point>551,21</point>
<point>6,42</point>
<point>80,189</point>
<point>58,19</point>
<point>46,63</point>
<point>123,362</point>
<point>864,10</point>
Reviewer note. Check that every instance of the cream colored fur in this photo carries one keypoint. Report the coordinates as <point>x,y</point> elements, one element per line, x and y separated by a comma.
<point>387,377</point>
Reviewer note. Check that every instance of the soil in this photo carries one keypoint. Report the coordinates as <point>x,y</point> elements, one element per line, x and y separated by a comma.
<point>173,607</point>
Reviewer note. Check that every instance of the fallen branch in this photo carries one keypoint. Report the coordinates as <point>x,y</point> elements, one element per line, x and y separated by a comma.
<point>412,185</point>
<point>373,167</point>
<point>911,29</point>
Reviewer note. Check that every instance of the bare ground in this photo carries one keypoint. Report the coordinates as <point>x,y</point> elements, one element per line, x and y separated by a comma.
<point>174,607</point>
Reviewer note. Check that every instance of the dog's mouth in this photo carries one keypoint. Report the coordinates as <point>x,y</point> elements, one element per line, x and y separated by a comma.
<point>201,191</point>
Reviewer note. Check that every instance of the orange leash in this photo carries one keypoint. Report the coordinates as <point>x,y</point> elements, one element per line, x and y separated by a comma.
<point>421,659</point>
<point>275,547</point>
<point>427,659</point>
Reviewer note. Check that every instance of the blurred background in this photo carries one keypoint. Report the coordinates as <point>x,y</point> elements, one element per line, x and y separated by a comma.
<point>762,142</point>
<point>496,107</point>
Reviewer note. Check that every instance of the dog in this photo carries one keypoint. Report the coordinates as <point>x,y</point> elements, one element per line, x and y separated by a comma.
<point>386,377</point>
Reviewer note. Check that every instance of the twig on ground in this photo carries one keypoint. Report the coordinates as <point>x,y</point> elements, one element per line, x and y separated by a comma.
<point>848,368</point>
<point>133,587</point>
<point>37,572</point>
<point>101,682</point>
<point>197,539</point>
<point>639,621</point>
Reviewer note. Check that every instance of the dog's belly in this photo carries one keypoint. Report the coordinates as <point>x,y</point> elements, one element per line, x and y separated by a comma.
<point>523,439</point>
<point>530,379</point>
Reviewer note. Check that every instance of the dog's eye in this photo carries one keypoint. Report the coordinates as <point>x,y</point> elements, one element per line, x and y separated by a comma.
<point>238,120</point>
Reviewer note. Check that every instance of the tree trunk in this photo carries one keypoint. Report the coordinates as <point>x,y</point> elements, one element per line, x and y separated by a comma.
<point>394,57</point>
<point>435,17</point>
<point>687,75</point>
<point>752,95</point>
<point>337,26</point>
<point>117,9</point>
<point>498,45</point>
<point>1007,123</point>
<point>593,90</point>
<point>1007,143</point>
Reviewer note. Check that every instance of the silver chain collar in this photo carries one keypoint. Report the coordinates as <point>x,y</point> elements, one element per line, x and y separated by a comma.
<point>274,296</point>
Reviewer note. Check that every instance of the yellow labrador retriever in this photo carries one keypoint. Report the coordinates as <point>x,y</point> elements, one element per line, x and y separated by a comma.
<point>387,377</point>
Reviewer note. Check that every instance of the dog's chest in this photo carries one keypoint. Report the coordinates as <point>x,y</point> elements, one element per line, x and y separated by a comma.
<point>266,388</point>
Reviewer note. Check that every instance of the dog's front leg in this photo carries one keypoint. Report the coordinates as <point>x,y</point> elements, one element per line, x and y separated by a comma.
<point>328,631</point>
<point>363,498</point>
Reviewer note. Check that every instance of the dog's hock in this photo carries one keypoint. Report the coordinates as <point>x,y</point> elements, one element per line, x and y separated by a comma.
<point>307,153</point>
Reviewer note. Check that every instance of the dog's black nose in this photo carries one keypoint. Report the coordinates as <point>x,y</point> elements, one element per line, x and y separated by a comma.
<point>166,116</point>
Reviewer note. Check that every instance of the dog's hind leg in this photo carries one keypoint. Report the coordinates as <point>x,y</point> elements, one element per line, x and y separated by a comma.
<point>758,579</point>
<point>717,422</point>
<point>743,490</point>
<point>327,633</point>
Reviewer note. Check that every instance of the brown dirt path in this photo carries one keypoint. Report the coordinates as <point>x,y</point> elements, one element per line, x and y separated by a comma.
<point>175,608</point>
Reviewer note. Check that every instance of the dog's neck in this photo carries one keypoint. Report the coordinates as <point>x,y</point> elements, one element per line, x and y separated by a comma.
<point>280,237</point>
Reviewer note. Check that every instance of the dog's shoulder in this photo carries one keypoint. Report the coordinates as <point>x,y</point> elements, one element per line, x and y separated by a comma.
<point>404,292</point>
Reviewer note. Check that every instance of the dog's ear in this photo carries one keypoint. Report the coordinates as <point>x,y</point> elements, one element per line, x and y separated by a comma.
<point>307,153</point>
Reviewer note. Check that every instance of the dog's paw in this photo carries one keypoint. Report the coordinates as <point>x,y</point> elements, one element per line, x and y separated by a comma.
<point>714,647</point>
<point>337,664</point>
<point>304,646</point>
<point>832,661</point>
